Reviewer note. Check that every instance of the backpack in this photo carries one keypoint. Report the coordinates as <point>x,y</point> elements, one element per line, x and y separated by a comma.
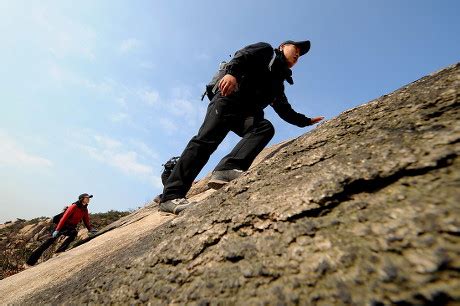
<point>213,85</point>
<point>58,217</point>
<point>168,168</point>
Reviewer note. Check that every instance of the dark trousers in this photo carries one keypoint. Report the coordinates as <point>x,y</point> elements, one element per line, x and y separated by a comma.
<point>71,234</point>
<point>223,115</point>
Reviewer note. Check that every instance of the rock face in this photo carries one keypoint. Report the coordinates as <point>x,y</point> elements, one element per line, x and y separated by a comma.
<point>365,210</point>
<point>17,240</point>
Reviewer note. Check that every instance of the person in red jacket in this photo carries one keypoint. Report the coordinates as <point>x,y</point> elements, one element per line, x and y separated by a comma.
<point>67,226</point>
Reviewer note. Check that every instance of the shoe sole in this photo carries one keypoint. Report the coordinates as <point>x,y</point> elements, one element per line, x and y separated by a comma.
<point>216,184</point>
<point>176,209</point>
<point>180,208</point>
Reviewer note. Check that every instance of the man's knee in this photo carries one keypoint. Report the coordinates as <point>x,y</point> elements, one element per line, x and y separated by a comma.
<point>202,145</point>
<point>267,128</point>
<point>71,233</point>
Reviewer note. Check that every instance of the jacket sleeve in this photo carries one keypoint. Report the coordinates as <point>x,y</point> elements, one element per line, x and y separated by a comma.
<point>69,211</point>
<point>285,111</point>
<point>248,58</point>
<point>86,220</point>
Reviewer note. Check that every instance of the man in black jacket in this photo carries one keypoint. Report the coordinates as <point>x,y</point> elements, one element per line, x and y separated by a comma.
<point>254,79</point>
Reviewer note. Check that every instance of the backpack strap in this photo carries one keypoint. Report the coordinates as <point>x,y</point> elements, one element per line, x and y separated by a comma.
<point>272,60</point>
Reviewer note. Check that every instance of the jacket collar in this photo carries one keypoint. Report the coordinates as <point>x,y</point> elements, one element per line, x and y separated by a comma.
<point>80,205</point>
<point>278,65</point>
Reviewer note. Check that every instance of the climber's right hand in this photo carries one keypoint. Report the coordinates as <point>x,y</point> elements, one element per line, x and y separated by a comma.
<point>227,84</point>
<point>316,120</point>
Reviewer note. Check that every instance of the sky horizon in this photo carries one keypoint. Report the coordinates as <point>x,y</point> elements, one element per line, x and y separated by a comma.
<point>96,96</point>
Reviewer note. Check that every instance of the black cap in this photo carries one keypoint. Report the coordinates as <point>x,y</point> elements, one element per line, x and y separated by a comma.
<point>84,195</point>
<point>304,46</point>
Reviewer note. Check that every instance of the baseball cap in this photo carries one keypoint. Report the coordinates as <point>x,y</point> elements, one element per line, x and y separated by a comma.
<point>304,46</point>
<point>84,195</point>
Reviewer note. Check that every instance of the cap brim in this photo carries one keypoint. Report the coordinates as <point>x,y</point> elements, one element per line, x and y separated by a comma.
<point>304,46</point>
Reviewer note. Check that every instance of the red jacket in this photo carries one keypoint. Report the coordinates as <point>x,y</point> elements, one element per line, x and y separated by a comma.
<point>73,216</point>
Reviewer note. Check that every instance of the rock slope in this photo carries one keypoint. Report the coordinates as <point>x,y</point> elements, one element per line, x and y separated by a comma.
<point>364,209</point>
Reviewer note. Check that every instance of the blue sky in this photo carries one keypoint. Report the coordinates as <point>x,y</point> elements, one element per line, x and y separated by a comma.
<point>96,95</point>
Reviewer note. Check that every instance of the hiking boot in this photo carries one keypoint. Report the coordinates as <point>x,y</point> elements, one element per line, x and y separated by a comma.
<point>220,178</point>
<point>31,262</point>
<point>158,198</point>
<point>175,206</point>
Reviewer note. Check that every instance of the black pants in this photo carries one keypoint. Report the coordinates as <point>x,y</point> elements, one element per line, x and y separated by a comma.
<point>71,234</point>
<point>223,115</point>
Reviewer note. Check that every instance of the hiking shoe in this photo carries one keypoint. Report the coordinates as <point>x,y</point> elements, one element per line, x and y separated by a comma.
<point>220,178</point>
<point>158,198</point>
<point>175,206</point>
<point>31,262</point>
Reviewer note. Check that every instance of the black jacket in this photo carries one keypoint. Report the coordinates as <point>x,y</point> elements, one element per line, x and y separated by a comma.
<point>261,71</point>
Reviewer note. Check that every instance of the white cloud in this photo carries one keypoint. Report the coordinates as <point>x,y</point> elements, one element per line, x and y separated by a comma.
<point>156,182</point>
<point>116,154</point>
<point>57,73</point>
<point>107,142</point>
<point>128,162</point>
<point>181,92</point>
<point>60,74</point>
<point>178,111</point>
<point>182,107</point>
<point>121,101</point>
<point>64,36</point>
<point>150,97</point>
<point>145,149</point>
<point>203,56</point>
<point>147,65</point>
<point>119,117</point>
<point>189,111</point>
<point>129,45</point>
<point>103,87</point>
<point>168,125</point>
<point>12,154</point>
<point>185,111</point>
